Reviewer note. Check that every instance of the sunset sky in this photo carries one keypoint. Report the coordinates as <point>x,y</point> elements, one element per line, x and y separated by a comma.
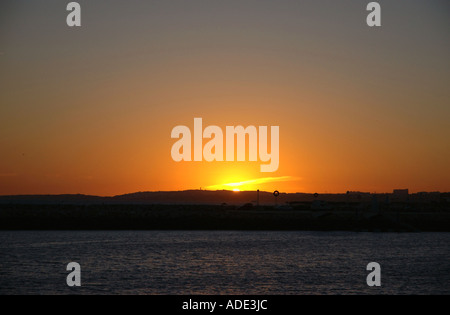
<point>90,110</point>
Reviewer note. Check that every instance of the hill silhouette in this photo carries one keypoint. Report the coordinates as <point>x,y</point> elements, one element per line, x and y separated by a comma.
<point>206,210</point>
<point>215,197</point>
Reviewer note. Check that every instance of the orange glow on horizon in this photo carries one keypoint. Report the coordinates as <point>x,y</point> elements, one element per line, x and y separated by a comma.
<point>252,184</point>
<point>357,109</point>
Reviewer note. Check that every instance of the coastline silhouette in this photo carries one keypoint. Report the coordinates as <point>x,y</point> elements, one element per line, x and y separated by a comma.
<point>229,210</point>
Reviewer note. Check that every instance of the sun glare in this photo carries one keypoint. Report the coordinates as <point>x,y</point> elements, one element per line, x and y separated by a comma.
<point>252,184</point>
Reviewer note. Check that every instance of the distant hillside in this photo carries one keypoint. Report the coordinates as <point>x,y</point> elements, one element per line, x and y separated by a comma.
<point>159,197</point>
<point>214,198</point>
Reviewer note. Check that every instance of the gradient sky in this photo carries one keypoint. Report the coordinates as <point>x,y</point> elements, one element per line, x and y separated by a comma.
<point>90,110</point>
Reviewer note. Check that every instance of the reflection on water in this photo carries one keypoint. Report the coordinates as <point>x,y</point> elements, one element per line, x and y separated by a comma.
<point>223,262</point>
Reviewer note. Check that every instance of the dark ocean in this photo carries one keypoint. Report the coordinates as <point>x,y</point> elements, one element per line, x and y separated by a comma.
<point>223,262</point>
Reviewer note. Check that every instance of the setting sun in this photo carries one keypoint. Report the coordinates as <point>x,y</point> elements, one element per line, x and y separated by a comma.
<point>265,183</point>
<point>248,68</point>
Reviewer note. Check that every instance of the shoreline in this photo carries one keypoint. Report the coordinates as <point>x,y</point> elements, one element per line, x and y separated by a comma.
<point>210,217</point>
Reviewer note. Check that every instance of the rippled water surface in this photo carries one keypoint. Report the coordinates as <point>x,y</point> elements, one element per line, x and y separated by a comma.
<point>223,262</point>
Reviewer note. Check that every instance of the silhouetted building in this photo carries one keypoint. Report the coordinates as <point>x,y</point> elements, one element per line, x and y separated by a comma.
<point>400,195</point>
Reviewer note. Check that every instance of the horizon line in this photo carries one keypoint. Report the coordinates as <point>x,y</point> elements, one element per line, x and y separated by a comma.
<point>217,190</point>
